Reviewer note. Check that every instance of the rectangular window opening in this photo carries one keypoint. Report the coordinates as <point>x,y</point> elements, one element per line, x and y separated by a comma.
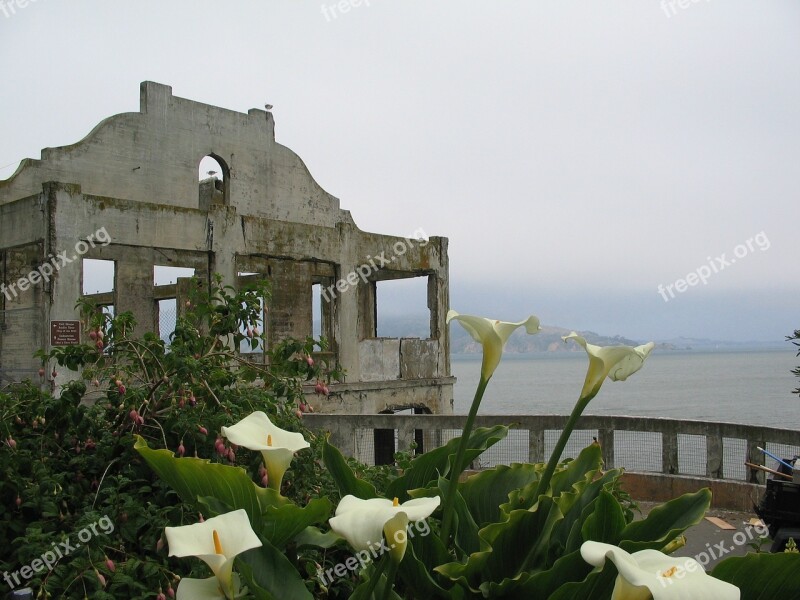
<point>402,308</point>
<point>98,276</point>
<point>316,311</point>
<point>167,318</point>
<point>164,275</point>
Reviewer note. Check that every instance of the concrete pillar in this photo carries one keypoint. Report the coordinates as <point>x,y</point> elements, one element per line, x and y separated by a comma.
<point>669,452</point>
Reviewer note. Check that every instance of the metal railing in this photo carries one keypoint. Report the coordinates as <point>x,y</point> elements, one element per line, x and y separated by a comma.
<point>640,444</point>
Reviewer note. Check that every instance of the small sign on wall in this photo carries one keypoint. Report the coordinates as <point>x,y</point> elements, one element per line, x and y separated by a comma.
<point>65,333</point>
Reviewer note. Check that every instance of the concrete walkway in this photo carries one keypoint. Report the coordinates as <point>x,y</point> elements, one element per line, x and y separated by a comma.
<point>708,543</point>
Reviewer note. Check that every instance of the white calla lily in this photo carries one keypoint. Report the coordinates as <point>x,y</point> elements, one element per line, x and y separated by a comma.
<point>363,523</point>
<point>615,362</point>
<point>649,574</point>
<point>277,446</point>
<point>217,542</point>
<point>492,335</point>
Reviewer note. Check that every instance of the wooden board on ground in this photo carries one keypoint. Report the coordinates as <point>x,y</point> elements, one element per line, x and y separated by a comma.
<point>720,523</point>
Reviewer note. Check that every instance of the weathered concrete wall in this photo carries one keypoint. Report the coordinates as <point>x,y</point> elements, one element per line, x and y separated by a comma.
<point>22,328</point>
<point>370,398</point>
<point>379,359</point>
<point>135,176</point>
<point>153,156</point>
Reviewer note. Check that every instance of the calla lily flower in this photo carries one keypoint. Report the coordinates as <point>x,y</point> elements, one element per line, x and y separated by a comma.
<point>364,523</point>
<point>217,542</point>
<point>615,362</point>
<point>277,446</point>
<point>492,335</point>
<point>649,574</point>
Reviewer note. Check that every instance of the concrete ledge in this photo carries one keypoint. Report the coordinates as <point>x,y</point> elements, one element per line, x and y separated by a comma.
<point>726,494</point>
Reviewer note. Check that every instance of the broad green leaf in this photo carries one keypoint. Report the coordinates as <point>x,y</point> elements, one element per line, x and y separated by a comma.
<point>311,536</point>
<point>465,529</point>
<point>270,575</point>
<point>282,523</point>
<point>379,593</point>
<point>568,537</point>
<point>343,475</point>
<point>426,468</point>
<point>570,567</point>
<point>665,522</point>
<point>762,576</point>
<point>515,546</point>
<point>195,478</point>
<point>415,571</point>
<point>484,492</point>
<point>606,522</point>
<point>567,474</point>
<point>597,585</point>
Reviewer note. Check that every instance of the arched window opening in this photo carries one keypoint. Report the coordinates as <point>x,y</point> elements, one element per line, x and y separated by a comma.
<point>213,175</point>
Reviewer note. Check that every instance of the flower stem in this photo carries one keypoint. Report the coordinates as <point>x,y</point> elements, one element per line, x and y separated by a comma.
<point>379,568</point>
<point>544,482</point>
<point>458,468</point>
<point>390,576</point>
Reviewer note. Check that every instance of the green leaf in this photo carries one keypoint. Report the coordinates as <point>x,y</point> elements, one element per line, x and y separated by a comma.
<point>484,492</point>
<point>666,522</point>
<point>422,553</point>
<point>568,536</point>
<point>343,475</point>
<point>195,478</point>
<point>570,567</point>
<point>465,528</point>
<point>515,546</point>
<point>426,468</point>
<point>311,536</point>
<point>606,522</point>
<point>270,575</point>
<point>762,576</point>
<point>569,473</point>
<point>282,523</point>
<point>598,584</point>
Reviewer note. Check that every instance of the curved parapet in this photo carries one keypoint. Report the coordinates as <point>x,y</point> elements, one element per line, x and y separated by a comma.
<point>153,156</point>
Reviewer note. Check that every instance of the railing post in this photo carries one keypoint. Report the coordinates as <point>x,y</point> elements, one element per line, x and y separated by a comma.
<point>669,452</point>
<point>755,456</point>
<point>405,435</point>
<point>606,441</point>
<point>536,445</point>
<point>343,436</point>
<point>714,466</point>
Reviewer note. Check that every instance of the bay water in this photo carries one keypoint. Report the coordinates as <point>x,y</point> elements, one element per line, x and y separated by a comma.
<point>747,387</point>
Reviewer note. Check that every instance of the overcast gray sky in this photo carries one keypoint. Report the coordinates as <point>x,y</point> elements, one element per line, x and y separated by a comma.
<point>577,154</point>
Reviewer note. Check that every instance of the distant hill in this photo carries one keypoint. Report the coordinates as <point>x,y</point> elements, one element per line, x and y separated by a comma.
<point>549,339</point>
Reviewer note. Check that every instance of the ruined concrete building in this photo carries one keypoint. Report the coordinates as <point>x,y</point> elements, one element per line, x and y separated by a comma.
<point>134,180</point>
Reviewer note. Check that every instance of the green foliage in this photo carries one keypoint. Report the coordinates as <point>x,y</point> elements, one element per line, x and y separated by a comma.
<point>69,461</point>
<point>762,575</point>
